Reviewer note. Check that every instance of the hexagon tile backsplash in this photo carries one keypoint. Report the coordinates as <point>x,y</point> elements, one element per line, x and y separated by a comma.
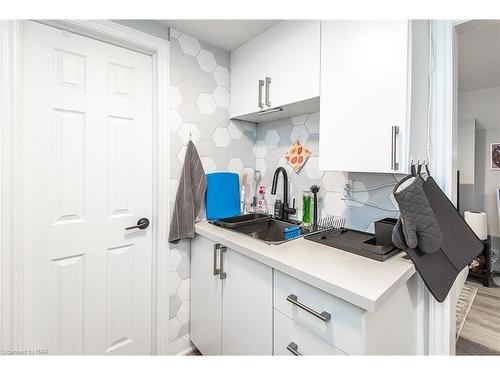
<point>371,193</point>
<point>199,110</point>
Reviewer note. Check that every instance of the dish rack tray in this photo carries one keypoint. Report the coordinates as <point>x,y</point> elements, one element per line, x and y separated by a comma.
<point>332,232</point>
<point>330,226</point>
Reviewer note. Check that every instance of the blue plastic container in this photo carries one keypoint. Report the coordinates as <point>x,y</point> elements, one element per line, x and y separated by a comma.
<point>222,198</point>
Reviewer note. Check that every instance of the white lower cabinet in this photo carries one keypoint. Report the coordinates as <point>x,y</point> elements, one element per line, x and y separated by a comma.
<point>290,338</point>
<point>328,317</point>
<point>391,330</point>
<point>240,306</point>
<point>247,306</point>
<point>231,301</point>
<point>206,298</point>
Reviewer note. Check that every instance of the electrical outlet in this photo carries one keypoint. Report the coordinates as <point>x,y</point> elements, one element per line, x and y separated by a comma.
<point>347,190</point>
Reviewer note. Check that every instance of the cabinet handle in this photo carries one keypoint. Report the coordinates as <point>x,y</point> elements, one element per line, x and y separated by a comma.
<point>324,316</point>
<point>216,270</point>
<point>394,154</point>
<point>261,85</point>
<point>293,348</point>
<point>268,83</point>
<point>222,274</point>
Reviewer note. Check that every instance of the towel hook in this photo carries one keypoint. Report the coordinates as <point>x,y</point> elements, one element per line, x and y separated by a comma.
<point>187,142</point>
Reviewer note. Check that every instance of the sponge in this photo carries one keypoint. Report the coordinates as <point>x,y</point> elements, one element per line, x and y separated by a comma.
<point>292,232</point>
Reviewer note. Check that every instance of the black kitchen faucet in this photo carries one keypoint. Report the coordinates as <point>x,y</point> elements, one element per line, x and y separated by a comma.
<point>281,209</point>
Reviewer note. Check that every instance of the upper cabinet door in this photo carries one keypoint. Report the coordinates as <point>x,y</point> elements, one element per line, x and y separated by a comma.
<point>363,95</point>
<point>288,53</point>
<point>293,61</point>
<point>247,67</point>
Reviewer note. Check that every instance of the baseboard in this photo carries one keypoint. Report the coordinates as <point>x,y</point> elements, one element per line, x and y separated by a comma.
<point>181,346</point>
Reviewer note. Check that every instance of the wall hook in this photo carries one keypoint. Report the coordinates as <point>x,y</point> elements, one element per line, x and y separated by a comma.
<point>187,142</point>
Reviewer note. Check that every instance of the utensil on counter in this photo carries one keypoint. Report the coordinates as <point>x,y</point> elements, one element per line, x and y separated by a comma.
<point>315,191</point>
<point>306,207</point>
<point>243,184</point>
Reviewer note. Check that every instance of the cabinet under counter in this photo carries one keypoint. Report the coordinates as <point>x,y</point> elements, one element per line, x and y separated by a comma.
<point>321,299</point>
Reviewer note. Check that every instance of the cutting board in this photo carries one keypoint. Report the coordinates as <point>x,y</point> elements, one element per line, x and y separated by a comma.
<point>222,195</point>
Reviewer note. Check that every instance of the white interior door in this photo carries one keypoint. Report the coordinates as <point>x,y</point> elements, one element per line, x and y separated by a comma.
<point>87,174</point>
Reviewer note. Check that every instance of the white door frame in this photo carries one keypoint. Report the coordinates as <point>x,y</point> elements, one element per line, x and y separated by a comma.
<point>441,326</point>
<point>11,236</point>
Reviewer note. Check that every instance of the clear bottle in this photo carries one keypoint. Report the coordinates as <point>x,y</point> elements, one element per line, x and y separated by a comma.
<point>246,199</point>
<point>306,207</point>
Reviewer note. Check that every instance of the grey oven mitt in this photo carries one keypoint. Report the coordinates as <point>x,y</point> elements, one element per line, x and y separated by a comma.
<point>398,237</point>
<point>418,223</point>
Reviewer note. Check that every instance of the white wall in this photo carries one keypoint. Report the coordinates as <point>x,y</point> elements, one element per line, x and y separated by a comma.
<point>466,150</point>
<point>484,106</point>
<point>419,90</point>
<point>147,26</point>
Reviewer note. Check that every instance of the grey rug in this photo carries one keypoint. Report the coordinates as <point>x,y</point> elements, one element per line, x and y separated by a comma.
<point>464,303</point>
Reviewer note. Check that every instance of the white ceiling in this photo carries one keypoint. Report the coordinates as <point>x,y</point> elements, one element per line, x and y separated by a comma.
<point>225,34</point>
<point>478,55</point>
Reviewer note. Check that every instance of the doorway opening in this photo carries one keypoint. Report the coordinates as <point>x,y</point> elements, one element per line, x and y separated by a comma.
<point>478,181</point>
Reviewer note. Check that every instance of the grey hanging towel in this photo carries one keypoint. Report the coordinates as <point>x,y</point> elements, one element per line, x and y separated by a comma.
<point>436,270</point>
<point>189,197</point>
<point>460,245</point>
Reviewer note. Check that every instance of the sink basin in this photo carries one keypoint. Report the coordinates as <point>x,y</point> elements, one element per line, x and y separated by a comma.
<point>267,229</point>
<point>236,221</point>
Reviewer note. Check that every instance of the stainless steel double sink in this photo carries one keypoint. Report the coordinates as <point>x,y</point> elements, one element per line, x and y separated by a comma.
<point>261,226</point>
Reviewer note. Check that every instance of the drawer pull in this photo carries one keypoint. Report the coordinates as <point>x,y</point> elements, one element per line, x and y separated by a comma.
<point>268,83</point>
<point>394,143</point>
<point>261,85</point>
<point>293,348</point>
<point>324,316</point>
<point>222,274</point>
<point>216,270</point>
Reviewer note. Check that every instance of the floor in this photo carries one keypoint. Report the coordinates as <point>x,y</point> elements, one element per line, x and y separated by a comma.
<point>481,332</point>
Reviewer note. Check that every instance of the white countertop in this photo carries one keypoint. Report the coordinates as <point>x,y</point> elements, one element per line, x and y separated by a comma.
<point>361,281</point>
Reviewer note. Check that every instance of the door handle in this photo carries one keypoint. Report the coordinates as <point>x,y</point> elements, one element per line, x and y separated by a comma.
<point>394,154</point>
<point>216,248</point>
<point>293,348</point>
<point>324,316</point>
<point>142,223</point>
<point>268,83</point>
<point>261,85</point>
<point>222,274</point>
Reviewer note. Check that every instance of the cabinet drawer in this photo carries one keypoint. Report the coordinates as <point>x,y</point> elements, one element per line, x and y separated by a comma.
<point>290,334</point>
<point>344,327</point>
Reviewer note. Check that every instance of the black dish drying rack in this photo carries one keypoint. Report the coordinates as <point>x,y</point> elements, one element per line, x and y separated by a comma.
<point>332,232</point>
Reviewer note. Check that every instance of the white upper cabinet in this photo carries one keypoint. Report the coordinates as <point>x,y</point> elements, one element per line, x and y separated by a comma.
<point>278,68</point>
<point>364,75</point>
